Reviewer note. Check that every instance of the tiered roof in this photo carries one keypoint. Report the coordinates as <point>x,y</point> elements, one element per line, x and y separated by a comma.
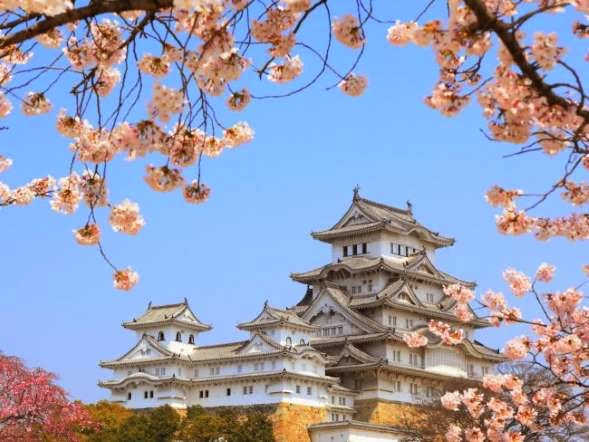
<point>272,317</point>
<point>178,314</point>
<point>375,217</point>
<point>218,353</point>
<point>417,266</point>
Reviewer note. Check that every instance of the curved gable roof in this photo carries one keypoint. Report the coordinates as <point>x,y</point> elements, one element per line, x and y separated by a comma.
<point>377,216</point>
<point>179,313</point>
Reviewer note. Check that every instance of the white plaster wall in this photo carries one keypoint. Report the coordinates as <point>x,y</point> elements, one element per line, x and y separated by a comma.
<point>446,361</point>
<point>170,337</point>
<point>280,334</point>
<point>353,435</point>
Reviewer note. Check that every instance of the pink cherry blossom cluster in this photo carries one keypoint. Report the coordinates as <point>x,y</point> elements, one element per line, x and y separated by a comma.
<point>415,340</point>
<point>560,341</point>
<point>33,407</point>
<point>517,108</point>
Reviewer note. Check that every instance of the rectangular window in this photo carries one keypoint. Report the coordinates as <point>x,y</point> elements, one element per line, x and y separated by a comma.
<point>485,370</point>
<point>429,391</point>
<point>406,250</point>
<point>145,394</point>
<point>309,391</point>
<point>196,372</point>
<point>228,392</point>
<point>414,359</point>
<point>201,394</point>
<point>399,249</point>
<point>333,400</point>
<point>430,298</point>
<point>396,355</point>
<point>340,330</point>
<point>298,389</point>
<point>408,323</point>
<point>128,396</point>
<point>151,394</point>
<point>163,371</point>
<point>370,285</point>
<point>392,249</point>
<point>470,369</point>
<point>244,390</point>
<point>345,251</point>
<point>355,249</point>
<point>414,389</point>
<point>364,248</point>
<point>206,393</point>
<point>251,389</point>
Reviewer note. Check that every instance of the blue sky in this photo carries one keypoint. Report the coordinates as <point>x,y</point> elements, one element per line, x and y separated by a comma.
<point>58,307</point>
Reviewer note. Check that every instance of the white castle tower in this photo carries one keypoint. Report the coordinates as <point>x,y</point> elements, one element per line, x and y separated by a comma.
<point>381,284</point>
<point>340,349</point>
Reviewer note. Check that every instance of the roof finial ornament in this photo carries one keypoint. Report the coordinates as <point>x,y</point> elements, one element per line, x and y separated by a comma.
<point>265,303</point>
<point>409,207</point>
<point>356,191</point>
<point>148,305</point>
<point>185,301</point>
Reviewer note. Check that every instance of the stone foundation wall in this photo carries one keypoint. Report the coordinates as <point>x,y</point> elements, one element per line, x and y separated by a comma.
<point>378,411</point>
<point>290,421</point>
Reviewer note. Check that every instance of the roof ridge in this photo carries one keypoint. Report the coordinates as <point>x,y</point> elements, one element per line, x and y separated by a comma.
<point>179,304</point>
<point>385,206</point>
<point>226,344</point>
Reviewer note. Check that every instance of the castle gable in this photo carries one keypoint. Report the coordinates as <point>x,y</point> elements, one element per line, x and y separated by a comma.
<point>259,344</point>
<point>330,309</point>
<point>146,348</point>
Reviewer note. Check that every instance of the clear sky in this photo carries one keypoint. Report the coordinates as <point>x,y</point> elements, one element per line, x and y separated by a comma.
<point>58,309</point>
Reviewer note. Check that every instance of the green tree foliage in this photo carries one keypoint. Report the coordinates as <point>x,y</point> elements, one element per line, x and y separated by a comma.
<point>164,424</point>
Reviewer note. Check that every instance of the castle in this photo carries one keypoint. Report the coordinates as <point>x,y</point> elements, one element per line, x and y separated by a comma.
<point>338,354</point>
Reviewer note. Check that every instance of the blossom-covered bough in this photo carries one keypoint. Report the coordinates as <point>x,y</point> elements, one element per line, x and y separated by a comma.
<point>558,347</point>
<point>177,60</point>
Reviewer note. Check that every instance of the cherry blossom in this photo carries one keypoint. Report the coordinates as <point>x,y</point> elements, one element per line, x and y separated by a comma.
<point>347,30</point>
<point>414,340</point>
<point>88,235</point>
<point>36,104</point>
<point>5,163</point>
<point>196,192</point>
<point>125,279</point>
<point>353,85</point>
<point>519,283</point>
<point>545,272</point>
<point>517,348</point>
<point>125,218</point>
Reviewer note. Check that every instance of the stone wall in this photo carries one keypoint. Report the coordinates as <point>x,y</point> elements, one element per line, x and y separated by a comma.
<point>290,421</point>
<point>378,411</point>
